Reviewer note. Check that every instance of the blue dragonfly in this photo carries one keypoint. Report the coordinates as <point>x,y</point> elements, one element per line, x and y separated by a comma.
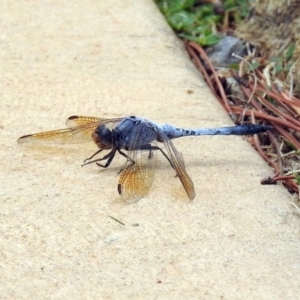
<point>136,139</point>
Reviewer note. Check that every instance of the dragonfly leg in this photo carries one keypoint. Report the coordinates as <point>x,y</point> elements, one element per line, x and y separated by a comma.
<point>132,162</point>
<point>150,147</point>
<point>166,156</point>
<point>89,158</point>
<point>124,154</point>
<point>108,156</point>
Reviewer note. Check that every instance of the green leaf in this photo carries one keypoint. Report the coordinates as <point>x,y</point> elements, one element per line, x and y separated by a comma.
<point>297,177</point>
<point>212,39</point>
<point>255,65</point>
<point>278,68</point>
<point>290,52</point>
<point>182,20</point>
<point>173,6</point>
<point>202,40</point>
<point>189,37</point>
<point>234,67</point>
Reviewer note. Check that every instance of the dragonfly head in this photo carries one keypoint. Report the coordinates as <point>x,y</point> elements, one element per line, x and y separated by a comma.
<point>102,136</point>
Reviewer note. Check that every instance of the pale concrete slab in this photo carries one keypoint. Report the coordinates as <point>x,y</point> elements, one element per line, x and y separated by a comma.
<point>236,240</point>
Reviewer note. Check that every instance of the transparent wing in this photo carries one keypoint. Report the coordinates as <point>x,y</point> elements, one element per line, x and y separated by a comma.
<point>75,121</point>
<point>80,133</point>
<point>137,176</point>
<point>178,164</point>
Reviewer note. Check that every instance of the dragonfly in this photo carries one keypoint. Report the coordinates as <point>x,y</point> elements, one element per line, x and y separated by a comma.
<point>138,140</point>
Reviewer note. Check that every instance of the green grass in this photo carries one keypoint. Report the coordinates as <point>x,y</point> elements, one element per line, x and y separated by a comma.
<point>200,23</point>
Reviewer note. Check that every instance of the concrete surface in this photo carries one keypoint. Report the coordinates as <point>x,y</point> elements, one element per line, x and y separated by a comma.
<point>236,240</point>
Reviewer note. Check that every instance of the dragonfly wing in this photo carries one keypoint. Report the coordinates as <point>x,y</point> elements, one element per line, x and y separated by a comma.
<point>138,174</point>
<point>80,133</point>
<point>136,178</point>
<point>178,164</point>
<point>74,121</point>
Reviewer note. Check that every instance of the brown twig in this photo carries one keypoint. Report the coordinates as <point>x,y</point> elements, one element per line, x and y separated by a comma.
<point>265,104</point>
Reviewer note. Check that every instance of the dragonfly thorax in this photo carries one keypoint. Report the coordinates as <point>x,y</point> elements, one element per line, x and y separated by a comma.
<point>102,136</point>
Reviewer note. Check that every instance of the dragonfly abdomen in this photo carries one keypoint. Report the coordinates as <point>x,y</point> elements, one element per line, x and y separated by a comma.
<point>247,129</point>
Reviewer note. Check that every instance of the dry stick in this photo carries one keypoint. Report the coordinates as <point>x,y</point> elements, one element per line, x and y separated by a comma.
<point>287,136</point>
<point>286,180</point>
<point>280,101</point>
<point>283,177</point>
<point>290,104</point>
<point>259,113</point>
<point>289,108</point>
<point>190,46</point>
<point>252,100</point>
<point>257,105</point>
<point>256,144</point>
<point>264,116</point>
<point>295,207</point>
<point>285,103</point>
<point>276,111</point>
<point>254,86</point>
<point>273,121</point>
<point>220,87</point>
<point>277,168</point>
<point>274,142</point>
<point>294,101</point>
<point>256,140</point>
<point>292,185</point>
<point>195,55</point>
<point>200,66</point>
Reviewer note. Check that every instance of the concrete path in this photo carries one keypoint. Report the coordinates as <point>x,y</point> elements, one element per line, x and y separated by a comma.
<point>236,240</point>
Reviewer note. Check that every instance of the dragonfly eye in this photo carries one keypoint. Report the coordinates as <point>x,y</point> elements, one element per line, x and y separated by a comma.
<point>104,135</point>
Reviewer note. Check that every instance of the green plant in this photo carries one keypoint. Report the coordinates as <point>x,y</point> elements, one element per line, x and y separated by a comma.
<point>199,22</point>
